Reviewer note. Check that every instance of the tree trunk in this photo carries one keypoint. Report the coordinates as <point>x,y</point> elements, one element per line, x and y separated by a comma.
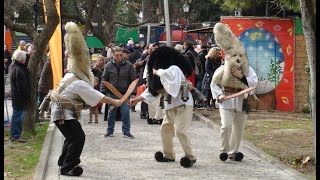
<point>40,42</point>
<point>29,121</point>
<point>309,28</point>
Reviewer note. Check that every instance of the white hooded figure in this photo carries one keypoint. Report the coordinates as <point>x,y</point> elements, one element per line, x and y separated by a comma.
<point>232,77</point>
<point>75,90</point>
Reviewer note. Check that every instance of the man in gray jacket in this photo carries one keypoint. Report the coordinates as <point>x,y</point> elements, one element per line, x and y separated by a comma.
<point>120,73</point>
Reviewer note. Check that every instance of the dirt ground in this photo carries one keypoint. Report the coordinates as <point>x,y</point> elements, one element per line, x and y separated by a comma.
<point>289,137</point>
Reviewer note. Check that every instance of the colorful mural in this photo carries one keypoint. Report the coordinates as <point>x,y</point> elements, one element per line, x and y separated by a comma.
<point>269,43</point>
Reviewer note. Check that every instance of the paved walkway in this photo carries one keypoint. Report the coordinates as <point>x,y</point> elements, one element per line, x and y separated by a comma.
<point>133,159</point>
<point>121,158</point>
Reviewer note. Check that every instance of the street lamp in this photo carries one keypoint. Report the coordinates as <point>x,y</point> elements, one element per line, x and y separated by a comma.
<point>186,10</point>
<point>16,15</point>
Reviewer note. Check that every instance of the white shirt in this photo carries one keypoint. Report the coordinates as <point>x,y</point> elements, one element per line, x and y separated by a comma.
<point>77,88</point>
<point>233,103</point>
<point>145,71</point>
<point>171,79</point>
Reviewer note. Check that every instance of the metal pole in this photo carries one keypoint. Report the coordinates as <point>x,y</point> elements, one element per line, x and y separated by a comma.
<point>148,34</point>
<point>187,23</point>
<point>167,22</point>
<point>267,8</point>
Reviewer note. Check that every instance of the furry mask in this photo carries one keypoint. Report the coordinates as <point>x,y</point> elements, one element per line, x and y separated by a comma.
<point>235,56</point>
<point>79,61</point>
<point>162,58</point>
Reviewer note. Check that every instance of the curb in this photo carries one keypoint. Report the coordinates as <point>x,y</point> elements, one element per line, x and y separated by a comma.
<point>252,148</point>
<point>45,152</point>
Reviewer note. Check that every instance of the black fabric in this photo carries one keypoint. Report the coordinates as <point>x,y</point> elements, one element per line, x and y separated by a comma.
<point>162,58</point>
<point>202,57</point>
<point>119,75</point>
<point>144,108</point>
<point>244,80</point>
<point>73,144</point>
<point>96,72</point>
<point>20,85</point>
<point>211,65</point>
<point>144,55</point>
<point>134,56</point>
<point>140,70</point>
<point>8,56</point>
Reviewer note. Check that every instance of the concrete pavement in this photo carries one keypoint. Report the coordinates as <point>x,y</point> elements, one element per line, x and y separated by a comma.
<point>121,158</point>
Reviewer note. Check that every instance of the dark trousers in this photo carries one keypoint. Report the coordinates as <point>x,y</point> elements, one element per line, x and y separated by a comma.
<point>118,115</point>
<point>73,144</point>
<point>144,108</point>
<point>209,98</point>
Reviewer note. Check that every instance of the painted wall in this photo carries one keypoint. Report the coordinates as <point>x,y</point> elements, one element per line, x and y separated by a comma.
<point>270,48</point>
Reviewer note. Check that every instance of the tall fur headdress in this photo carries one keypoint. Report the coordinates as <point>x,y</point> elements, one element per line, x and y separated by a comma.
<point>235,56</point>
<point>79,61</point>
<point>162,58</point>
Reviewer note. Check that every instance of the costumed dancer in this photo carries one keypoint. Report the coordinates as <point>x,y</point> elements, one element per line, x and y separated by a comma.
<point>232,77</point>
<point>168,69</point>
<point>73,94</point>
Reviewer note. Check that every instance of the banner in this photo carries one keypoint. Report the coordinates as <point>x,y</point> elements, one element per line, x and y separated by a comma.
<point>55,45</point>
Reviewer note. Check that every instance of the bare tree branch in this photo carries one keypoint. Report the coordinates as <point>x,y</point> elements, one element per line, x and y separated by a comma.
<point>24,28</point>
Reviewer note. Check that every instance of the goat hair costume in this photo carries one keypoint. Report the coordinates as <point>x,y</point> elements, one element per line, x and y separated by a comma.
<point>235,56</point>
<point>163,59</point>
<point>171,68</point>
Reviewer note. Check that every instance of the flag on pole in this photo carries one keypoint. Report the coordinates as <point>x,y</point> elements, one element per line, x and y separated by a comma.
<point>55,45</point>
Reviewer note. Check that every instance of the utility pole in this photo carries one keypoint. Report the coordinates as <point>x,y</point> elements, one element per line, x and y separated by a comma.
<point>267,8</point>
<point>148,34</point>
<point>167,23</point>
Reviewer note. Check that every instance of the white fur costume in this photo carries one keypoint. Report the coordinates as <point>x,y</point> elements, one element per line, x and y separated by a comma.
<point>73,89</point>
<point>79,61</point>
<point>231,113</point>
<point>235,56</point>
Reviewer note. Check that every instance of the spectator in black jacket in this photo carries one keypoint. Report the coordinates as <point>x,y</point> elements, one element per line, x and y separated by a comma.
<point>120,73</point>
<point>21,93</point>
<point>213,61</point>
<point>7,59</point>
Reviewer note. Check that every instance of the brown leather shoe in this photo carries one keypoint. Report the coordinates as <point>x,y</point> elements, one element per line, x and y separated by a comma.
<point>20,140</point>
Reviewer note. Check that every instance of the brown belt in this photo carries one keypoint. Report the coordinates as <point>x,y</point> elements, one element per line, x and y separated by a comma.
<point>71,106</point>
<point>229,90</point>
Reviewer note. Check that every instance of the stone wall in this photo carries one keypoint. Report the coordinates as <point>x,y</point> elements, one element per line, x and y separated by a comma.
<point>301,76</point>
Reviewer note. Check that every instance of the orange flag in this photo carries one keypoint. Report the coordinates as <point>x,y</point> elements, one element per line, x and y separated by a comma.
<point>55,45</point>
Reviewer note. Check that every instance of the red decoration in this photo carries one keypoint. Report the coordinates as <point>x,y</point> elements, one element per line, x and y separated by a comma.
<point>283,30</point>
